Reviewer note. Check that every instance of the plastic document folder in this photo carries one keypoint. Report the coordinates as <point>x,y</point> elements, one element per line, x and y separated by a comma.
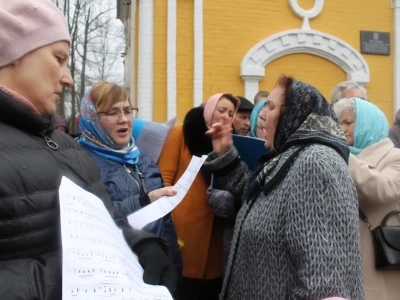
<point>249,148</point>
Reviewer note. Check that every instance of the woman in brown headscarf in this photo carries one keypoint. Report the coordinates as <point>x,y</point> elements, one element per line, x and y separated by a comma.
<point>296,235</point>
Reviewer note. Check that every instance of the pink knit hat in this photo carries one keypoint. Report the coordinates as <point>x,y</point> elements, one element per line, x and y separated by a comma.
<point>26,25</point>
<point>212,102</point>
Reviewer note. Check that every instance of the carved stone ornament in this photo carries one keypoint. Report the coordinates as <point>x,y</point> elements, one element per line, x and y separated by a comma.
<point>306,15</point>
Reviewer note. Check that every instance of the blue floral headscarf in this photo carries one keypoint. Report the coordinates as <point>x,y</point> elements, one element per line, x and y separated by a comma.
<point>95,136</point>
<point>254,117</point>
<point>371,125</point>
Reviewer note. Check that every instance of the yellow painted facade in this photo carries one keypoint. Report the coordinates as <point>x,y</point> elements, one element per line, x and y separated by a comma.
<point>233,27</point>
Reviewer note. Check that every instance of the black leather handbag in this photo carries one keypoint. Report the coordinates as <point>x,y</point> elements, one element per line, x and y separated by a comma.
<point>386,241</point>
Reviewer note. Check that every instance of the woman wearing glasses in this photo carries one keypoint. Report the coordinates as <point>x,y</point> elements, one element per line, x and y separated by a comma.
<point>131,177</point>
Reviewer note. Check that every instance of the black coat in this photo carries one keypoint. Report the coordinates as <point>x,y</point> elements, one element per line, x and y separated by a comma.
<point>30,175</point>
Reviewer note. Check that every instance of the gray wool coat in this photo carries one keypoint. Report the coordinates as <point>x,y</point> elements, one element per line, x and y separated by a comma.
<point>224,206</point>
<point>301,241</point>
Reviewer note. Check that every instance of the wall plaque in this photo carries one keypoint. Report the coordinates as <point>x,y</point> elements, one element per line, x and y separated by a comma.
<point>375,42</point>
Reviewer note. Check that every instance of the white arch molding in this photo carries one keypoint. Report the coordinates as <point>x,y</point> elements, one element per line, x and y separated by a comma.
<point>252,68</point>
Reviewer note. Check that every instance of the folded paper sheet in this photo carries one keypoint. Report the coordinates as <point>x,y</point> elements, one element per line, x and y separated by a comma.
<point>97,262</point>
<point>164,205</point>
<point>150,136</point>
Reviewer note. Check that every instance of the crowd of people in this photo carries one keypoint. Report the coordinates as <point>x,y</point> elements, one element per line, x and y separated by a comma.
<point>298,227</point>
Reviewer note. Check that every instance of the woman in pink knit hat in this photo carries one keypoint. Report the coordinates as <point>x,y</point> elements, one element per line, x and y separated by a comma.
<point>34,52</point>
<point>195,223</point>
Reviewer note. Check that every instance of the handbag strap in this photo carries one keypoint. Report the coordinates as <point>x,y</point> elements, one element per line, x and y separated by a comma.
<point>389,215</point>
<point>364,218</point>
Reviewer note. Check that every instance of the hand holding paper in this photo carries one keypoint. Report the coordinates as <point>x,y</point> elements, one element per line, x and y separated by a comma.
<point>166,191</point>
<point>165,204</point>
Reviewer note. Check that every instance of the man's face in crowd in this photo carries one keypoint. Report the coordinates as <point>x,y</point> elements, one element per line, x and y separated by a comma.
<point>241,122</point>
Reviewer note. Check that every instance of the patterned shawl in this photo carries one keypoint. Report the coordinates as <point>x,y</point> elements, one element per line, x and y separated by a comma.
<point>96,137</point>
<point>306,118</point>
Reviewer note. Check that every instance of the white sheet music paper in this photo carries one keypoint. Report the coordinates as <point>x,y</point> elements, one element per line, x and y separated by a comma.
<point>164,205</point>
<point>97,262</point>
<point>152,138</point>
<point>171,123</point>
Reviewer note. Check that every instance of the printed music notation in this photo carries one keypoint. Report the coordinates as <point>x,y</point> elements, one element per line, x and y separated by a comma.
<point>116,291</point>
<point>164,205</point>
<point>97,262</point>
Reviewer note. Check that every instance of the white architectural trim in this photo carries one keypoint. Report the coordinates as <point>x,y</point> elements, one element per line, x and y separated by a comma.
<point>306,15</point>
<point>132,54</point>
<point>146,59</point>
<point>396,67</point>
<point>339,52</point>
<point>198,53</point>
<point>171,60</point>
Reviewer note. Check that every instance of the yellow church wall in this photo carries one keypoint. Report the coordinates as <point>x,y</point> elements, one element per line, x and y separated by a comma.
<point>185,57</point>
<point>345,19</point>
<point>233,27</point>
<point>304,67</point>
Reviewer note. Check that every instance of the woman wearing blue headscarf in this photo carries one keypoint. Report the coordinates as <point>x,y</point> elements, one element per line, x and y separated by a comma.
<point>375,168</point>
<point>131,177</point>
<point>255,120</point>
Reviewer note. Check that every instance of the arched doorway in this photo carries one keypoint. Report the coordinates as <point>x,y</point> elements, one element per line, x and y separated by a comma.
<point>339,52</point>
<point>318,71</point>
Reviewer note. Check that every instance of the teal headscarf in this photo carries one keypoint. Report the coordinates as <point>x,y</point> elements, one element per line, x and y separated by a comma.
<point>371,126</point>
<point>254,117</point>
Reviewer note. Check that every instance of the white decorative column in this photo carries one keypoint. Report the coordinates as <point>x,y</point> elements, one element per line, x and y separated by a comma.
<point>171,60</point>
<point>251,75</point>
<point>198,53</point>
<point>146,59</point>
<point>396,67</point>
<point>132,54</point>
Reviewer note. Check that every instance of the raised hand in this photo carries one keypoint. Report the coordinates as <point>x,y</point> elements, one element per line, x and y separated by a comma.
<point>221,136</point>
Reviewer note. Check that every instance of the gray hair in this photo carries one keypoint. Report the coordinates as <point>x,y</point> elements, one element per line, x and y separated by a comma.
<point>344,105</point>
<point>337,92</point>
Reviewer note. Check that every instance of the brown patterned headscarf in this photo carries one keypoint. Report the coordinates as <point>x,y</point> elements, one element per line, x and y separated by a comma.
<point>306,117</point>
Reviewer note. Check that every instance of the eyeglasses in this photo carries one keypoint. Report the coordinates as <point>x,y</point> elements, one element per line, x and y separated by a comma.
<point>114,115</point>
